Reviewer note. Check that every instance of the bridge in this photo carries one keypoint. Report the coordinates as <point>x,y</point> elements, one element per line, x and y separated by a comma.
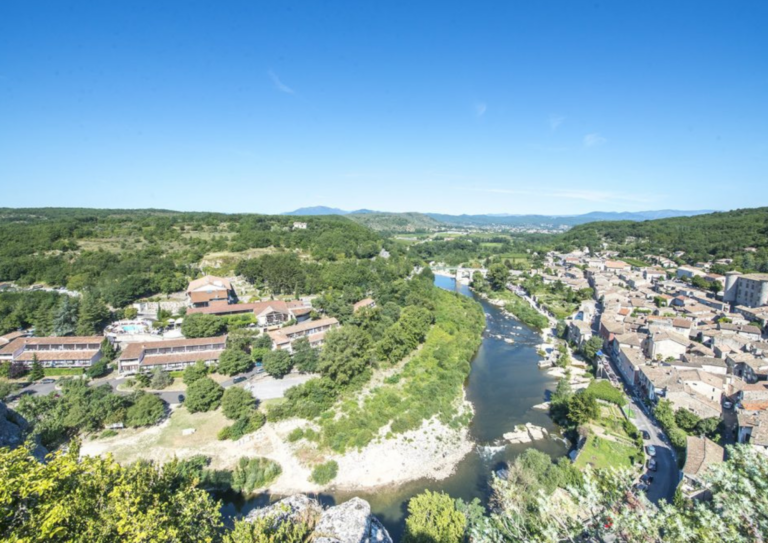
<point>464,275</point>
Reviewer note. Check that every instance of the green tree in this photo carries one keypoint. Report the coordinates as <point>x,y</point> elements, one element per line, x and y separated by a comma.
<point>93,315</point>
<point>65,317</point>
<point>591,347</point>
<point>345,355</point>
<point>277,363</point>
<point>686,420</point>
<point>194,372</point>
<point>237,403</point>
<point>6,388</point>
<point>582,407</point>
<point>95,499</point>
<point>203,394</point>
<point>709,427</point>
<point>233,361</point>
<point>108,351</point>
<point>498,276</point>
<point>148,409</point>
<point>434,518</point>
<point>160,379</point>
<point>97,369</point>
<point>261,346</point>
<point>305,358</point>
<point>202,325</point>
<point>37,372</point>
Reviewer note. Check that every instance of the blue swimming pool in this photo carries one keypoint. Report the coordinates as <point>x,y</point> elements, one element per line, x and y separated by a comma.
<point>132,328</point>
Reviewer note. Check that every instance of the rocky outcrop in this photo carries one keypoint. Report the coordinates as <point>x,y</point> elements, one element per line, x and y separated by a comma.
<point>526,433</point>
<point>14,430</point>
<point>350,522</point>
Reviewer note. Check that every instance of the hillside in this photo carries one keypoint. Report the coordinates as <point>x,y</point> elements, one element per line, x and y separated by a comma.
<point>557,221</point>
<point>395,222</point>
<point>703,237</point>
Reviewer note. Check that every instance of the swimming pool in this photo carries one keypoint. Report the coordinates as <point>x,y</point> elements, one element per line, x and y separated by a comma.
<point>132,328</point>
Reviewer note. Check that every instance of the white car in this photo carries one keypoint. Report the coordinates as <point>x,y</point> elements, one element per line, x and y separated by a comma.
<point>727,405</point>
<point>651,450</point>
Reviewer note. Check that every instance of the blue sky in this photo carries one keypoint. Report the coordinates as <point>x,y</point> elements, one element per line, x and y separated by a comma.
<point>456,107</point>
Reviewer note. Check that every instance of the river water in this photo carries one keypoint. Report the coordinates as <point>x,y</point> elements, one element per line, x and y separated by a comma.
<point>503,386</point>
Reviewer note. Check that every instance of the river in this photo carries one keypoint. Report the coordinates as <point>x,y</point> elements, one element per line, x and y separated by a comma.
<point>503,386</point>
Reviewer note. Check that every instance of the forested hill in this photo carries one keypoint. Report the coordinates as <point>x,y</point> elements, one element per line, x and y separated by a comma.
<point>123,255</point>
<point>395,222</point>
<point>703,237</point>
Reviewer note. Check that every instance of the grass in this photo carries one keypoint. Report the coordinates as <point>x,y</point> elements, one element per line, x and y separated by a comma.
<point>53,372</point>
<point>603,453</point>
<point>604,390</point>
<point>635,262</point>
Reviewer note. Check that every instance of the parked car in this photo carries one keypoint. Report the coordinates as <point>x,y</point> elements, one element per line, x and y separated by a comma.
<point>727,404</point>
<point>47,381</point>
<point>642,487</point>
<point>652,465</point>
<point>651,450</point>
<point>239,379</point>
<point>646,435</point>
<point>181,398</point>
<point>647,478</point>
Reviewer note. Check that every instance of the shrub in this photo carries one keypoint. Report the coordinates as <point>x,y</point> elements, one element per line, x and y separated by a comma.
<point>433,518</point>
<point>266,530</point>
<point>237,403</point>
<point>160,379</point>
<point>325,473</point>
<point>147,410</point>
<point>604,390</point>
<point>295,435</point>
<point>107,433</point>
<point>233,361</point>
<point>203,395</point>
<point>202,325</point>
<point>245,425</point>
<point>194,372</point>
<point>97,370</point>
<point>253,473</point>
<point>277,363</point>
<point>6,388</point>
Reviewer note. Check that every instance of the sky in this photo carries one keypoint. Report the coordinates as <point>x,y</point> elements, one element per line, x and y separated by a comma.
<point>528,106</point>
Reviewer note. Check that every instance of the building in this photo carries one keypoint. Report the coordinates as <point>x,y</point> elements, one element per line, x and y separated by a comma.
<point>315,331</point>
<point>753,429</point>
<point>299,225</point>
<point>170,355</point>
<point>54,352</point>
<point>579,332</point>
<point>700,454</point>
<point>665,345</point>
<point>210,289</point>
<point>750,290</point>
<point>367,302</point>
<point>268,313</point>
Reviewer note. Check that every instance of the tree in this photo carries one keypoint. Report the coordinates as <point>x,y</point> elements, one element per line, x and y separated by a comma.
<point>108,351</point>
<point>93,315</point>
<point>147,410</point>
<point>591,347</point>
<point>97,370</point>
<point>233,361</point>
<point>277,363</point>
<point>434,518</point>
<point>305,358</point>
<point>130,313</point>
<point>709,427</point>
<point>687,420</point>
<point>582,407</point>
<point>160,379</point>
<point>203,395</point>
<point>202,325</point>
<point>65,318</point>
<point>17,369</point>
<point>260,346</point>
<point>6,388</point>
<point>37,372</point>
<point>194,372</point>
<point>346,355</point>
<point>237,403</point>
<point>96,499</point>
<point>498,276</point>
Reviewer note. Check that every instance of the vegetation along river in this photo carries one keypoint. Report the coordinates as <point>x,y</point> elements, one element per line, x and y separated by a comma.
<point>503,386</point>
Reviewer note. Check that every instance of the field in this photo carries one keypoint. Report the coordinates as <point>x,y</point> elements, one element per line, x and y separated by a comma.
<point>608,443</point>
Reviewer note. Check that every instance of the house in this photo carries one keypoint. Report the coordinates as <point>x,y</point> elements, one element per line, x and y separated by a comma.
<point>753,429</point>
<point>579,332</point>
<point>170,355</point>
<point>749,290</point>
<point>665,345</point>
<point>629,361</point>
<point>7,338</point>
<point>54,352</point>
<point>315,331</point>
<point>267,313</point>
<point>655,380</point>
<point>700,454</point>
<point>366,302</point>
<point>210,289</point>
<point>616,266</point>
<point>299,226</point>
<point>747,366</point>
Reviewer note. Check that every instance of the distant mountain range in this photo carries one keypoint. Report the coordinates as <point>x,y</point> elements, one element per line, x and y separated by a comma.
<point>427,220</point>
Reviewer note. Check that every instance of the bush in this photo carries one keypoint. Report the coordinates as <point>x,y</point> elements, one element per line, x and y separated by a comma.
<point>147,410</point>
<point>203,395</point>
<point>160,379</point>
<point>107,433</point>
<point>434,518</point>
<point>237,403</point>
<point>277,363</point>
<point>325,473</point>
<point>245,425</point>
<point>295,435</point>
<point>253,473</point>
<point>6,388</point>
<point>202,325</point>
<point>194,372</point>
<point>233,361</point>
<point>98,369</point>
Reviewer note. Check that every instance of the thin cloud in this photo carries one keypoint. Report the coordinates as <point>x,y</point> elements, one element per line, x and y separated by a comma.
<point>594,140</point>
<point>480,109</point>
<point>279,85</point>
<point>555,121</point>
